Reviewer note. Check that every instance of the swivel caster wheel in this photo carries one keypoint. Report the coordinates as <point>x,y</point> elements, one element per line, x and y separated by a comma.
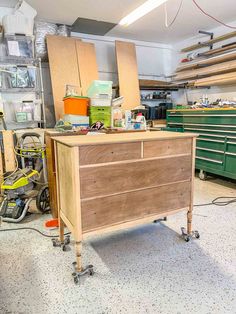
<point>202,175</point>
<point>76,278</point>
<point>197,235</point>
<point>187,238</point>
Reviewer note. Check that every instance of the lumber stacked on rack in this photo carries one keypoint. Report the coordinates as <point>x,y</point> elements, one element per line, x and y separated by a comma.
<point>224,67</point>
<point>223,79</point>
<point>209,42</point>
<point>156,84</point>
<point>207,62</point>
<point>219,50</point>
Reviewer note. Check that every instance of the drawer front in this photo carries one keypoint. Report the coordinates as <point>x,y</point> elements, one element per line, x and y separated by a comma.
<point>117,178</point>
<point>167,147</point>
<point>96,154</point>
<point>129,206</point>
<point>216,157</point>
<point>212,144</point>
<point>230,163</point>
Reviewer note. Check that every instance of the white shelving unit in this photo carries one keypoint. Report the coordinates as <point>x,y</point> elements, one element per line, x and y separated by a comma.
<point>14,93</point>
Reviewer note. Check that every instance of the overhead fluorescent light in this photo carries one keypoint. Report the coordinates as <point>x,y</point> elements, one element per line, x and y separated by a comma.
<point>142,10</point>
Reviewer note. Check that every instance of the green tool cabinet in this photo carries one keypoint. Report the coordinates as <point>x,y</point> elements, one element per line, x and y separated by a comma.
<point>216,143</point>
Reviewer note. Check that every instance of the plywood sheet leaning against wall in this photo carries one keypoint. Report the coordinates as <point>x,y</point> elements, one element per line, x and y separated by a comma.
<point>63,68</point>
<point>88,69</point>
<point>128,74</point>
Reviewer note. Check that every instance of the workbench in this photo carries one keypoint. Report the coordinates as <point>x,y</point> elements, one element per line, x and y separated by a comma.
<point>110,182</point>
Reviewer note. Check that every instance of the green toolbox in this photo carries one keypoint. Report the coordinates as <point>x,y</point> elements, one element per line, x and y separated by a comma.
<point>100,113</point>
<point>216,143</point>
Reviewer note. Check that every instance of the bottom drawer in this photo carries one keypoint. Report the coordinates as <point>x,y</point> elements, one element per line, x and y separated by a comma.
<point>106,211</point>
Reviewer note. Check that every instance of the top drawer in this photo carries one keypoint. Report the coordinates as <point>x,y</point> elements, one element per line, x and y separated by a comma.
<point>167,147</point>
<point>95,154</point>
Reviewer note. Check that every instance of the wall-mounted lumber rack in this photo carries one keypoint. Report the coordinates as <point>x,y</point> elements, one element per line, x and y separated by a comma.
<point>209,42</point>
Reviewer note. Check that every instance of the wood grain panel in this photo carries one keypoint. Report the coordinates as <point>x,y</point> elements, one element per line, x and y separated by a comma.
<point>129,206</point>
<point>128,74</point>
<point>9,154</point>
<point>109,152</point>
<point>87,63</point>
<point>166,148</point>
<point>63,68</point>
<point>108,179</point>
<point>66,178</point>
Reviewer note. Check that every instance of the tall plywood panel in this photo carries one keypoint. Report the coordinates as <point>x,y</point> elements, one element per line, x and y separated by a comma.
<point>128,74</point>
<point>87,63</point>
<point>63,68</point>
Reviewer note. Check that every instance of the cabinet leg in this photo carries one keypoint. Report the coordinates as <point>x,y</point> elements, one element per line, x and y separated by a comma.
<point>80,271</point>
<point>62,241</point>
<point>61,230</point>
<point>189,221</point>
<point>187,235</point>
<point>78,250</point>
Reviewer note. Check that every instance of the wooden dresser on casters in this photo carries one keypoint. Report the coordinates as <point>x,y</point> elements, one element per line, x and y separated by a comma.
<point>110,182</point>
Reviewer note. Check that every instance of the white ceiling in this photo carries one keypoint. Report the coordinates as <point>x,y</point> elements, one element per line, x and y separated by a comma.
<point>149,28</point>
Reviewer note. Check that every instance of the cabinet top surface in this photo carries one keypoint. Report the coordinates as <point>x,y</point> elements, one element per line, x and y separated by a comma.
<point>82,140</point>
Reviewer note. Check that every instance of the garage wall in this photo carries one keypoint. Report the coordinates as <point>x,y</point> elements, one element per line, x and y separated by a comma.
<point>153,59</point>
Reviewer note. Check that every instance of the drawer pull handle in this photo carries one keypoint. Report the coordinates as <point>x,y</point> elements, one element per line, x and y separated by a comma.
<point>209,140</point>
<point>209,130</point>
<point>231,154</point>
<point>210,150</point>
<point>208,159</point>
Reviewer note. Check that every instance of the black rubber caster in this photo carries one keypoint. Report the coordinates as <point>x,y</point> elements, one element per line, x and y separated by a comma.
<point>76,278</point>
<point>187,238</point>
<point>197,235</point>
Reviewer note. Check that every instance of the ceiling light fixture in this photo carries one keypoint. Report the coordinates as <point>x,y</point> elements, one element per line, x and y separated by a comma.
<point>142,10</point>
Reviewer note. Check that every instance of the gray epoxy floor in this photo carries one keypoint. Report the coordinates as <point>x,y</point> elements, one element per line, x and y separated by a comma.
<point>141,270</point>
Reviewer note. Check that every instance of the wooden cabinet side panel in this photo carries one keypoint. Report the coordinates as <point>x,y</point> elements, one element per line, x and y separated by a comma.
<point>167,147</point>
<point>123,177</point>
<point>51,175</point>
<point>95,154</point>
<point>120,208</point>
<point>68,188</point>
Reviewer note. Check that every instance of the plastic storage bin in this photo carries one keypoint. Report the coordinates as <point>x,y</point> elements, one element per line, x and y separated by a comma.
<point>102,114</point>
<point>99,88</point>
<point>100,101</point>
<point>24,111</point>
<point>76,105</point>
<point>17,24</point>
<point>77,120</point>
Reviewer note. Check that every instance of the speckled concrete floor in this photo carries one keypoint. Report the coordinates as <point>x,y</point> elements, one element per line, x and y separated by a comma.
<point>141,270</point>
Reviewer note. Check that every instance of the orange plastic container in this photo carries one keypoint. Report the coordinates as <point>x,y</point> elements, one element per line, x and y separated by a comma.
<point>76,105</point>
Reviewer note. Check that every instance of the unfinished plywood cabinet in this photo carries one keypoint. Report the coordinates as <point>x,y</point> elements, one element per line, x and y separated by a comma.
<point>110,182</point>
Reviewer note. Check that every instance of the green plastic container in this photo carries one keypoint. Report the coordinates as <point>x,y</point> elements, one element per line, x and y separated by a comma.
<point>100,113</point>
